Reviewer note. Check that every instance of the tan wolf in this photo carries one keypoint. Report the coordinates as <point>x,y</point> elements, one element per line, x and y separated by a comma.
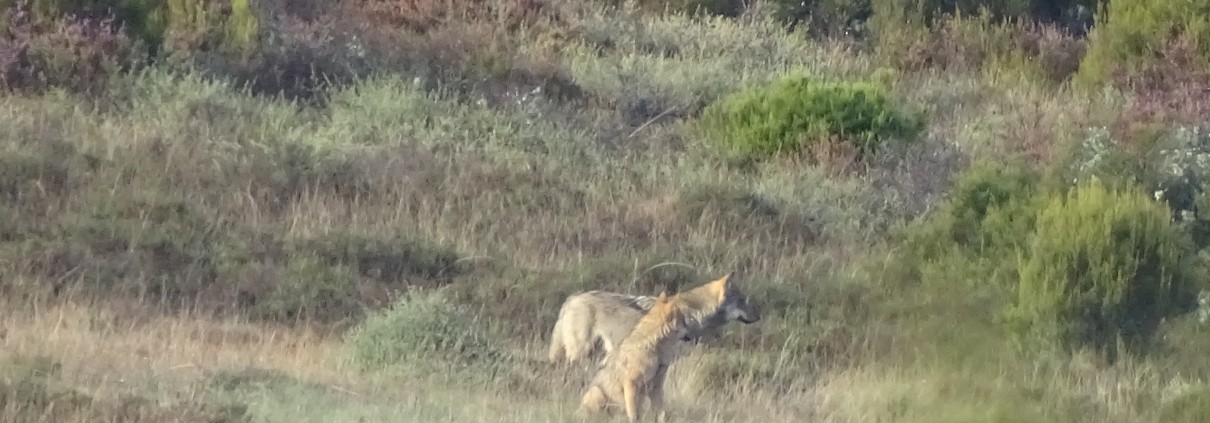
<point>637,368</point>
<point>598,318</point>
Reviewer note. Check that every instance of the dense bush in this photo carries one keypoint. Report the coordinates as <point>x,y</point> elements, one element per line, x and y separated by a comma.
<point>1130,34</point>
<point>191,26</point>
<point>1103,264</point>
<point>989,207</point>
<point>1083,266</point>
<point>418,327</point>
<point>797,111</point>
<point>969,243</point>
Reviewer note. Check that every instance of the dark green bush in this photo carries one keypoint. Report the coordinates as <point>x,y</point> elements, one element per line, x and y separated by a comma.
<point>990,206</point>
<point>1130,34</point>
<point>974,236</point>
<point>1102,265</point>
<point>797,111</point>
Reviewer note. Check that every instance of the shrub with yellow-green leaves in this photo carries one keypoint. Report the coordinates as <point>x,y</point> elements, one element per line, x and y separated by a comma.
<point>1130,34</point>
<point>1102,265</point>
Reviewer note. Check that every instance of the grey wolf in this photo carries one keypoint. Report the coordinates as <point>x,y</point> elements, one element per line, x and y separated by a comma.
<point>593,319</point>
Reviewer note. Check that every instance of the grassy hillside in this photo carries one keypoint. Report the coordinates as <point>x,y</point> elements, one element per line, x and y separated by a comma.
<point>371,210</point>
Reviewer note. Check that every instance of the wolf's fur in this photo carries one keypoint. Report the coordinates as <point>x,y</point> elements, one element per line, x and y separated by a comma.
<point>598,318</point>
<point>637,368</point>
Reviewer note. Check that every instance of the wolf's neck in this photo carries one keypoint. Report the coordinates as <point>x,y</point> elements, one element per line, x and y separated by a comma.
<point>698,308</point>
<point>658,330</point>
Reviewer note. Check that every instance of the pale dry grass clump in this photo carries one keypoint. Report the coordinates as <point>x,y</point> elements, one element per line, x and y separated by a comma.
<point>1073,390</point>
<point>102,342</point>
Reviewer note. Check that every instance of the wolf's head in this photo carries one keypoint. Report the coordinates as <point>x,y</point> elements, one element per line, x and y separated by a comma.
<point>734,303</point>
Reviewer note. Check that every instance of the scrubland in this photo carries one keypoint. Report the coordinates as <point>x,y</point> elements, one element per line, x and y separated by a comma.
<point>371,210</point>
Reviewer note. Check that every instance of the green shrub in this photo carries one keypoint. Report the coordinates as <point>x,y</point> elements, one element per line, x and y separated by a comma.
<point>796,112</point>
<point>241,30</point>
<point>192,25</point>
<point>990,206</point>
<point>1102,265</point>
<point>1131,33</point>
<point>988,209</point>
<point>420,327</point>
<point>973,237</point>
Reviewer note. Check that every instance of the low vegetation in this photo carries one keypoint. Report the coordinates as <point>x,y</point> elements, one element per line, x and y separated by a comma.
<point>370,210</point>
<point>797,113</point>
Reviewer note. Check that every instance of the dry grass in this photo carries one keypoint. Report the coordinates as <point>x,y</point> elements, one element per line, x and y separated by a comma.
<point>174,248</point>
<point>280,373</point>
<point>98,342</point>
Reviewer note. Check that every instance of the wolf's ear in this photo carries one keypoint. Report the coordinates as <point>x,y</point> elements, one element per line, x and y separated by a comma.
<point>726,280</point>
<point>663,297</point>
<point>722,285</point>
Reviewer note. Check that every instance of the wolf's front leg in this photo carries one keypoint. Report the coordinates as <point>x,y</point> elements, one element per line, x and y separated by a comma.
<point>630,397</point>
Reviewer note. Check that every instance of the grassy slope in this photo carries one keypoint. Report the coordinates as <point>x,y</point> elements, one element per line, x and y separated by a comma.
<point>250,202</point>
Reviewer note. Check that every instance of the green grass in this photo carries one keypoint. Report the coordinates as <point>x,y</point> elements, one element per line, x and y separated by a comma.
<point>396,245</point>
